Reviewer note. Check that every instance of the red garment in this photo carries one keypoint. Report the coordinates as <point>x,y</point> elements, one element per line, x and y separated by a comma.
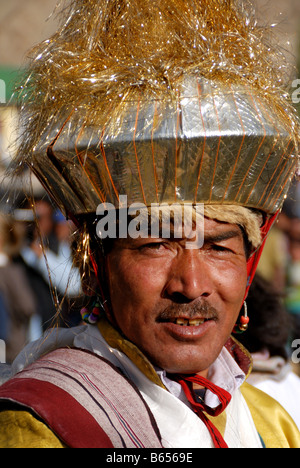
<point>200,408</point>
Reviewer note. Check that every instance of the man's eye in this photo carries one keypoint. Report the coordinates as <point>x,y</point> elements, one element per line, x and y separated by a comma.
<point>221,248</point>
<point>152,246</point>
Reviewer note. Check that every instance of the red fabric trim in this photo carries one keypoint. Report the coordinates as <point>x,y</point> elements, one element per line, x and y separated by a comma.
<point>55,406</point>
<point>254,259</point>
<point>186,382</point>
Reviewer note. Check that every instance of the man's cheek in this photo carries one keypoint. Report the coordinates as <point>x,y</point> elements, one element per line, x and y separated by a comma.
<point>232,285</point>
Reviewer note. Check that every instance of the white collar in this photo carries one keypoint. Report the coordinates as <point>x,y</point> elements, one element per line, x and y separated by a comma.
<point>224,373</point>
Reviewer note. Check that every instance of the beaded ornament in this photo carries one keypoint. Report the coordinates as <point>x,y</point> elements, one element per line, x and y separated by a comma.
<point>92,315</point>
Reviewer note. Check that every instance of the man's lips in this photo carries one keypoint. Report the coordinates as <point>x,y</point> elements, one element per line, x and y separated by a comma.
<point>185,322</point>
<point>187,330</point>
<point>188,315</point>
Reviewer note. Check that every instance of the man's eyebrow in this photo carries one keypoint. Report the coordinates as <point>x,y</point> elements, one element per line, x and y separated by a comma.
<point>222,236</point>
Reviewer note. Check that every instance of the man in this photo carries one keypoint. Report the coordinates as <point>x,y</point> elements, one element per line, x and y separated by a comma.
<point>144,107</point>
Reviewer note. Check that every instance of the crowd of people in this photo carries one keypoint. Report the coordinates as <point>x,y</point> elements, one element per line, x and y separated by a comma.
<point>39,287</point>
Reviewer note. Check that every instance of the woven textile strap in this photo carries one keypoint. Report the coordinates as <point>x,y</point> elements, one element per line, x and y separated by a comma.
<point>186,381</point>
<point>85,400</point>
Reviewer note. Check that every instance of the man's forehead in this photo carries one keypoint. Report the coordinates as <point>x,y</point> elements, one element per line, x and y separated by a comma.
<point>212,226</point>
<point>180,222</point>
<point>213,231</point>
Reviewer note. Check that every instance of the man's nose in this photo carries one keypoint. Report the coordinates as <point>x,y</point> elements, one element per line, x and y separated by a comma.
<point>189,277</point>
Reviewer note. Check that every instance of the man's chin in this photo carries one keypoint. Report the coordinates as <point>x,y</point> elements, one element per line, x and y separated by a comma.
<point>186,365</point>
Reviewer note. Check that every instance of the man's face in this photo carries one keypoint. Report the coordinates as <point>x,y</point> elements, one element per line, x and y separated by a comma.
<point>179,305</point>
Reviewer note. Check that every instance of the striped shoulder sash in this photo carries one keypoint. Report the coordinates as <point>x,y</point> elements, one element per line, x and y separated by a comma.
<point>85,400</point>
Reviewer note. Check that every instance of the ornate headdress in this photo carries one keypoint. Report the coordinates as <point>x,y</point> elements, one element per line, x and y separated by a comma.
<point>177,101</point>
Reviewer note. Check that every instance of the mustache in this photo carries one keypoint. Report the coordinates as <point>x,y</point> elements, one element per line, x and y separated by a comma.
<point>189,311</point>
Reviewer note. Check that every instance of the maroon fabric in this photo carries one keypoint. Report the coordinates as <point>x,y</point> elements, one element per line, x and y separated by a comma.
<point>240,355</point>
<point>85,400</point>
<point>186,381</point>
<point>55,406</point>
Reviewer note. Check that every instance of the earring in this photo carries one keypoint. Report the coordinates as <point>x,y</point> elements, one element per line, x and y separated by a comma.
<point>92,315</point>
<point>242,326</point>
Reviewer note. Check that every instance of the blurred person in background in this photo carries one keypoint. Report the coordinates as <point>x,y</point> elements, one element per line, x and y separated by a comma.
<point>48,258</point>
<point>280,260</point>
<point>291,229</point>
<point>3,320</point>
<point>51,239</point>
<point>293,275</point>
<point>15,291</point>
<point>277,256</point>
<point>274,259</point>
<point>67,270</point>
<point>267,340</point>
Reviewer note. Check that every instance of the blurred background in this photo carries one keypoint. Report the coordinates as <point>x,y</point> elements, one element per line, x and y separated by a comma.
<point>27,297</point>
